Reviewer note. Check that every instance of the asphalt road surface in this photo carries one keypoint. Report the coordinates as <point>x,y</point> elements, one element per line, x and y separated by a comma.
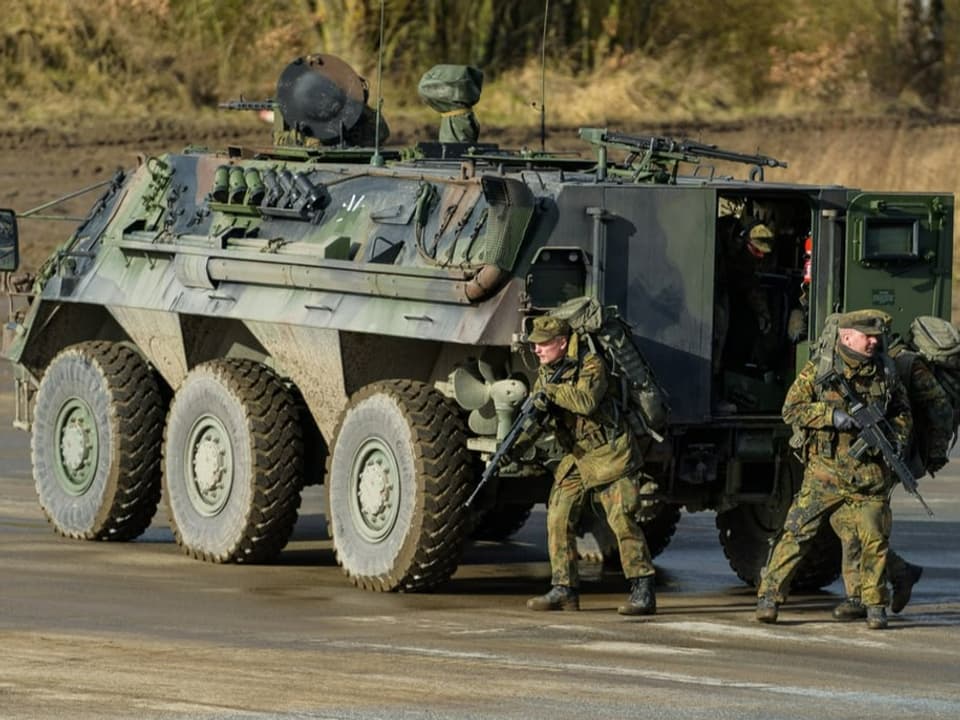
<point>138,630</point>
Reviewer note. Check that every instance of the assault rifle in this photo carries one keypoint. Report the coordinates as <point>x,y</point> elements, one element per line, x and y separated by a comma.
<point>875,434</point>
<point>528,411</point>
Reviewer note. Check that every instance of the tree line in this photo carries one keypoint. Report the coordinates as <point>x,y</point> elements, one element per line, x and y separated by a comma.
<point>191,53</point>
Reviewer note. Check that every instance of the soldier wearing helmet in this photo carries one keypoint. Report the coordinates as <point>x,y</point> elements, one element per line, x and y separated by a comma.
<point>850,491</point>
<point>602,463</point>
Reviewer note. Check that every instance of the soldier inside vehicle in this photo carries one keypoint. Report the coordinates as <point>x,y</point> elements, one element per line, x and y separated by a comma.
<point>761,283</point>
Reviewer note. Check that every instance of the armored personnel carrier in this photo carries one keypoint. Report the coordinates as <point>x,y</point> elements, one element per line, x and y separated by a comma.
<point>228,327</point>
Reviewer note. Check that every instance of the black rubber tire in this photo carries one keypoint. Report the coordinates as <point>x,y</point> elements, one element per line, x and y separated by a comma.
<point>501,521</point>
<point>397,478</point>
<point>660,528</point>
<point>746,531</point>
<point>103,398</point>
<point>238,409</point>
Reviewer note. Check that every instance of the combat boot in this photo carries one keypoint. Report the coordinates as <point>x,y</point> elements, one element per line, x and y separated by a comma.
<point>767,609</point>
<point>902,583</point>
<point>876,617</point>
<point>850,609</point>
<point>560,597</point>
<point>642,599</point>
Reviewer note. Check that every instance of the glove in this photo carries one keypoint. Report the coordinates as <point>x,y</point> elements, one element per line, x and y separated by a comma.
<point>936,464</point>
<point>843,422</point>
<point>540,402</point>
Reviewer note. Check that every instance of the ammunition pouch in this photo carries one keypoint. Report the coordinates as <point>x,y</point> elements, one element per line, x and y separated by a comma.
<point>591,440</point>
<point>826,443</point>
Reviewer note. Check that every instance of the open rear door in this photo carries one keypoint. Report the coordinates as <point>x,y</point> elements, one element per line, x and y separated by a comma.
<point>899,255</point>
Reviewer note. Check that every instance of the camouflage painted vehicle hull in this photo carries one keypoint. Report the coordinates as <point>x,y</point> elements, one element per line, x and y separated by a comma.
<point>230,327</point>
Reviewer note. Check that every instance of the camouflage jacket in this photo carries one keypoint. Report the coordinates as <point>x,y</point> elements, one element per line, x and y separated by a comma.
<point>809,408</point>
<point>930,406</point>
<point>586,422</point>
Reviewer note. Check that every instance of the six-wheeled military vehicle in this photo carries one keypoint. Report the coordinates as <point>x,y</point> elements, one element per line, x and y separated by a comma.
<point>227,327</point>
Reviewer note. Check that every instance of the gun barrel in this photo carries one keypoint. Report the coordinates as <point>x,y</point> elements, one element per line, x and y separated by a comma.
<point>493,467</point>
<point>247,105</point>
<point>712,151</point>
<point>662,144</point>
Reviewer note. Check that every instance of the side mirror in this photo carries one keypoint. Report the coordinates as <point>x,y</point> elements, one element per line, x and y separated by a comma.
<point>9,243</point>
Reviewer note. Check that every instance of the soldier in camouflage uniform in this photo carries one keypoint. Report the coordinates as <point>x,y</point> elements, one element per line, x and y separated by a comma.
<point>930,444</point>
<point>602,462</point>
<point>835,483</point>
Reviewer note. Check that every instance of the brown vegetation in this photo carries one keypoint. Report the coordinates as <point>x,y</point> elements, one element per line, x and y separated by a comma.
<point>617,61</point>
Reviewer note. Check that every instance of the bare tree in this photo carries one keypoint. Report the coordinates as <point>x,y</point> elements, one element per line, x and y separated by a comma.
<point>921,48</point>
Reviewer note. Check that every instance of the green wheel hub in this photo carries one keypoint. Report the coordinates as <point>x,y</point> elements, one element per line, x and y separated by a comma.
<point>78,447</point>
<point>375,490</point>
<point>208,466</point>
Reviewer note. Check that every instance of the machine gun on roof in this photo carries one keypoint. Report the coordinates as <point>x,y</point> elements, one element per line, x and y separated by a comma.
<point>243,104</point>
<point>656,158</point>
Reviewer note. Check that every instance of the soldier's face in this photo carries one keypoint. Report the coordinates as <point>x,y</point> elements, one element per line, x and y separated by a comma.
<point>551,350</point>
<point>860,342</point>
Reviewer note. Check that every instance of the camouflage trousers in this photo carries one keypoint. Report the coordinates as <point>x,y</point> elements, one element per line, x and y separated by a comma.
<point>619,500</point>
<point>867,518</point>
<point>850,545</point>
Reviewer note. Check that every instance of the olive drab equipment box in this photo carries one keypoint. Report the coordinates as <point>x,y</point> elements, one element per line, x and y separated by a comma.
<point>644,399</point>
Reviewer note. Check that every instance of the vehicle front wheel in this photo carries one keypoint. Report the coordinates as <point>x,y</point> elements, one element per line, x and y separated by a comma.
<point>95,445</point>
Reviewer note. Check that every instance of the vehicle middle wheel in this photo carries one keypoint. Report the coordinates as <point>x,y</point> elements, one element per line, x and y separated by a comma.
<point>232,462</point>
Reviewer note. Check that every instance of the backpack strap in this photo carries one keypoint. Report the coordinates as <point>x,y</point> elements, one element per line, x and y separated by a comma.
<point>890,375</point>
<point>904,365</point>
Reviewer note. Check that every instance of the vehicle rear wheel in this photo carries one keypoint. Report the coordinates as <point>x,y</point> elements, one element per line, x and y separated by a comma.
<point>398,476</point>
<point>501,521</point>
<point>95,445</point>
<point>658,523</point>
<point>232,463</point>
<point>746,531</point>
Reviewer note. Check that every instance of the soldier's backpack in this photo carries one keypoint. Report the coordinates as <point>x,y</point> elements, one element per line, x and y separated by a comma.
<point>938,342</point>
<point>645,402</point>
<point>821,352</point>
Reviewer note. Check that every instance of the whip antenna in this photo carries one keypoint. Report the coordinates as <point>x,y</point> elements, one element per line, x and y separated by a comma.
<point>543,84</point>
<point>377,159</point>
